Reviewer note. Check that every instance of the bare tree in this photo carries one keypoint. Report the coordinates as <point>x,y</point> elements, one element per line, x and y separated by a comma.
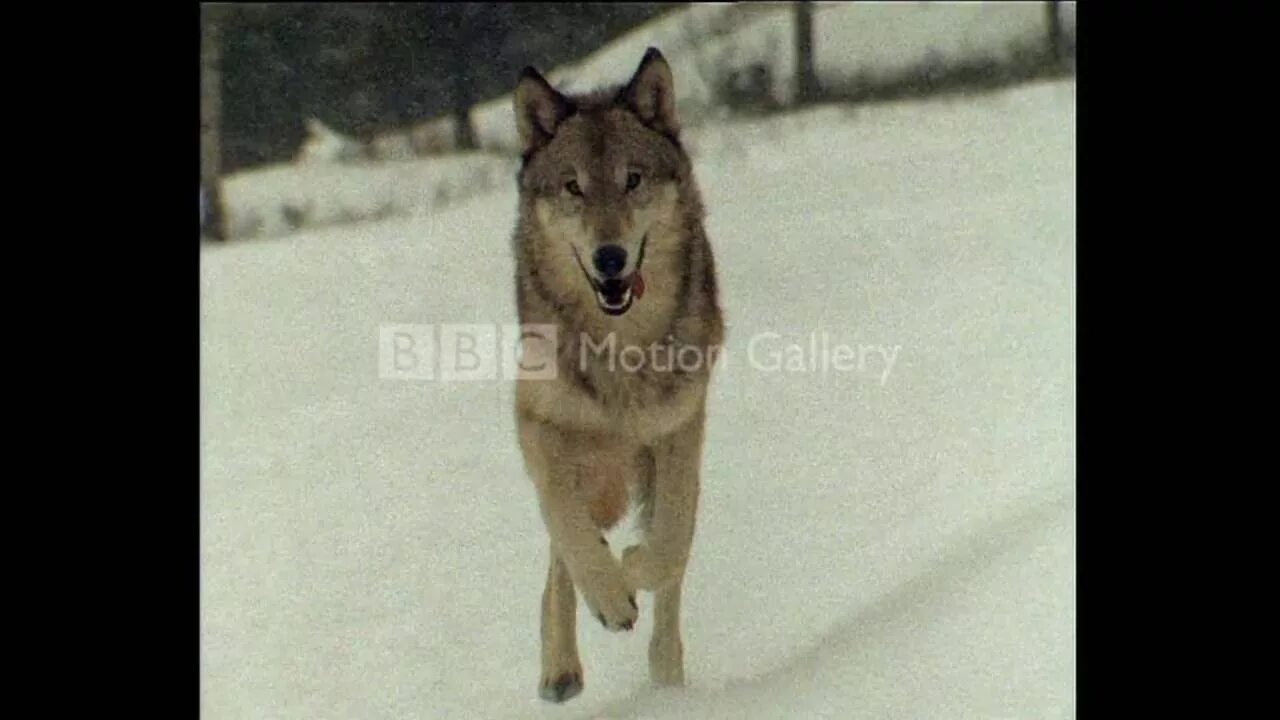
<point>470,39</point>
<point>807,89</point>
<point>212,17</point>
<point>465,137</point>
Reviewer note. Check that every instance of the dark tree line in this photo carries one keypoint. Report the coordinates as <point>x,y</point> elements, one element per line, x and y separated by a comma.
<point>211,25</point>
<point>371,67</point>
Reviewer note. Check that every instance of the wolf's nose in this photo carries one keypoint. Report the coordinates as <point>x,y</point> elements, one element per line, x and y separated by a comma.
<point>610,259</point>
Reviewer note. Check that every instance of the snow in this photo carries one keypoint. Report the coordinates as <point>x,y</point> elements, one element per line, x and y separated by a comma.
<point>280,199</point>
<point>883,40</point>
<point>895,541</point>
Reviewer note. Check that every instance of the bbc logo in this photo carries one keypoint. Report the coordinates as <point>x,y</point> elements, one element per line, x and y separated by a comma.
<point>467,352</point>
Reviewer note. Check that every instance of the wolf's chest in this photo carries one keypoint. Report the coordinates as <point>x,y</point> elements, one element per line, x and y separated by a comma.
<point>625,373</point>
<point>611,483</point>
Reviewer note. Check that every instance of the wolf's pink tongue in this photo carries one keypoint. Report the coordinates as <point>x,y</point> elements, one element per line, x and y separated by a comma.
<point>637,286</point>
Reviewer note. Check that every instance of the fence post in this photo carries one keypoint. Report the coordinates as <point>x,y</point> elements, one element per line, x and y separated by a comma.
<point>807,89</point>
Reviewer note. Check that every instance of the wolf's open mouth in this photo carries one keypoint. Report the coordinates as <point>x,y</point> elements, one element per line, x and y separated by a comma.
<point>615,295</point>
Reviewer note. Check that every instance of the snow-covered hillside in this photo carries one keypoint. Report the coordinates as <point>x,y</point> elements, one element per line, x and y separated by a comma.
<point>708,43</point>
<point>895,541</point>
<point>855,45</point>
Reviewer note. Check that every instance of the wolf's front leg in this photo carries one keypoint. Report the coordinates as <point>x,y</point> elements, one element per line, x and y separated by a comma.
<point>666,648</point>
<point>659,563</point>
<point>554,463</point>
<point>561,668</point>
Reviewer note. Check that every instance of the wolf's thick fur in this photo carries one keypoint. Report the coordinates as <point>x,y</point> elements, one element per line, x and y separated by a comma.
<point>607,168</point>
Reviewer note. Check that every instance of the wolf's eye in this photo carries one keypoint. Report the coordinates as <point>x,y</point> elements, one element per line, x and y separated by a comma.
<point>633,180</point>
<point>572,187</point>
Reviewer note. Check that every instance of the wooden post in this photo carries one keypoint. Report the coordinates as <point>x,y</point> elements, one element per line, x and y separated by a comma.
<point>211,24</point>
<point>807,89</point>
<point>464,134</point>
<point>1056,50</point>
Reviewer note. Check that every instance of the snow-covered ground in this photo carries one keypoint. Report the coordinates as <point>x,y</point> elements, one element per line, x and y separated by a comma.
<point>894,542</point>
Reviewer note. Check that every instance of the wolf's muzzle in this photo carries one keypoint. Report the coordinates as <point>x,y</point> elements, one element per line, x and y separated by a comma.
<point>614,294</point>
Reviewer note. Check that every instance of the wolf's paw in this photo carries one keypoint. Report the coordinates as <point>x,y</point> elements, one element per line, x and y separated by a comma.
<point>666,661</point>
<point>561,687</point>
<point>612,602</point>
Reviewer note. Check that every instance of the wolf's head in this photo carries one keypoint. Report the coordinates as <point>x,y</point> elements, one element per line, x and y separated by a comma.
<point>603,183</point>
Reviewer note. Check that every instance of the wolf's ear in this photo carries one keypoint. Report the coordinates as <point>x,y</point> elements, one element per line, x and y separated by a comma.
<point>539,109</point>
<point>651,93</point>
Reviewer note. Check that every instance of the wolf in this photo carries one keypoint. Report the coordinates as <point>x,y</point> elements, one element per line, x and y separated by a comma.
<point>611,252</point>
